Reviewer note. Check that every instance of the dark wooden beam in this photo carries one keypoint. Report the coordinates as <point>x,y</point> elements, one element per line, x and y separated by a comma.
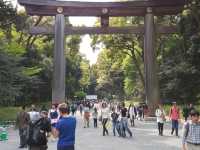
<point>105,21</point>
<point>115,9</point>
<point>103,30</point>
<point>134,3</point>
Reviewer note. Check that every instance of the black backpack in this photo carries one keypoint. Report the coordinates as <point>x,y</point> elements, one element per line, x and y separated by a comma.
<point>36,136</point>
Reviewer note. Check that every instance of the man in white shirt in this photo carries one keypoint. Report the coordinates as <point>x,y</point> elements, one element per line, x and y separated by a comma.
<point>34,115</point>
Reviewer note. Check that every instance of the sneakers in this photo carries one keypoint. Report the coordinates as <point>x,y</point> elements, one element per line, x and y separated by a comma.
<point>22,146</point>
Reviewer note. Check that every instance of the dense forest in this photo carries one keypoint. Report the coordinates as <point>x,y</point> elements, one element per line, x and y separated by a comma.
<point>26,60</point>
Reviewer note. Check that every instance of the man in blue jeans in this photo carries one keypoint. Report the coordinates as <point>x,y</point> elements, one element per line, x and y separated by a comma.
<point>65,129</point>
<point>114,117</point>
<point>124,121</point>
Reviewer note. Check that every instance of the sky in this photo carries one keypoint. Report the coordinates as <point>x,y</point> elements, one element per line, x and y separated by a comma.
<point>85,47</point>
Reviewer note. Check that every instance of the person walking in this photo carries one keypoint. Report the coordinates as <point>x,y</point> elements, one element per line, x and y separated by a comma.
<point>65,129</point>
<point>81,109</point>
<point>191,132</point>
<point>22,122</point>
<point>160,114</point>
<point>132,113</point>
<point>94,116</point>
<point>87,115</point>
<point>105,116</point>
<point>38,132</point>
<point>139,112</point>
<point>124,121</point>
<point>186,112</point>
<point>114,117</point>
<point>73,108</point>
<point>53,115</point>
<point>174,115</point>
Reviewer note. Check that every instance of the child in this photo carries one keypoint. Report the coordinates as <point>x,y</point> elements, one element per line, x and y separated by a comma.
<point>191,132</point>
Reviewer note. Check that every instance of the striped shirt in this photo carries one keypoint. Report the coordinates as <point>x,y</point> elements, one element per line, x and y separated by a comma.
<point>191,133</point>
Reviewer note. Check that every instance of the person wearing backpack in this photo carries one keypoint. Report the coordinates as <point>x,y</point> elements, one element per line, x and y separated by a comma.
<point>174,115</point>
<point>38,131</point>
<point>191,132</point>
<point>65,129</point>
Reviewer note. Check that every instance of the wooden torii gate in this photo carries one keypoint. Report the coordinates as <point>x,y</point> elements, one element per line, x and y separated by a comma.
<point>146,8</point>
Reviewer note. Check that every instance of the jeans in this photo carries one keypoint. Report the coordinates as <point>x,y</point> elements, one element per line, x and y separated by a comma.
<point>174,127</point>
<point>66,148</point>
<point>95,122</point>
<point>125,127</point>
<point>119,127</point>
<point>132,120</point>
<point>160,128</point>
<point>23,136</point>
<point>114,124</point>
<point>104,122</point>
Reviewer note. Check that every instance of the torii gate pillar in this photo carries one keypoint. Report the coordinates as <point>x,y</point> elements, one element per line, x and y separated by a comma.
<point>151,79</point>
<point>58,86</point>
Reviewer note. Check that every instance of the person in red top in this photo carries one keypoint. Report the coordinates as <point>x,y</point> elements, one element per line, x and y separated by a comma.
<point>174,115</point>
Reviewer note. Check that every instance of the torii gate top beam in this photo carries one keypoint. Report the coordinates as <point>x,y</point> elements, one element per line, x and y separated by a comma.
<point>113,9</point>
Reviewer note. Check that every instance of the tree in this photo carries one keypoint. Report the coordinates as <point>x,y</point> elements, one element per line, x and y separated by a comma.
<point>125,50</point>
<point>11,79</point>
<point>179,69</point>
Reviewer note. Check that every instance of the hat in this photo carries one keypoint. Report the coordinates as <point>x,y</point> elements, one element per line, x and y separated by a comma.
<point>44,112</point>
<point>173,102</point>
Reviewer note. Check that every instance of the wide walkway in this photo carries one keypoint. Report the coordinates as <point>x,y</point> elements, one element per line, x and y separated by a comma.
<point>145,137</point>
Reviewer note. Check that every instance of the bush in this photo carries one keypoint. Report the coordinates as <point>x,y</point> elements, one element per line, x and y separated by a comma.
<point>8,113</point>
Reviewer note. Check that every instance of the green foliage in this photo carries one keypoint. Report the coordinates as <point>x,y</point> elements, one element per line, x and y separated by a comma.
<point>120,65</point>
<point>85,68</point>
<point>10,79</point>
<point>7,15</point>
<point>26,60</point>
<point>109,76</point>
<point>73,74</point>
<point>179,69</point>
<point>80,95</point>
<point>11,116</point>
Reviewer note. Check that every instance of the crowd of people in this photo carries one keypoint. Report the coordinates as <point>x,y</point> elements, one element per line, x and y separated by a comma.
<point>60,122</point>
<point>35,127</point>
